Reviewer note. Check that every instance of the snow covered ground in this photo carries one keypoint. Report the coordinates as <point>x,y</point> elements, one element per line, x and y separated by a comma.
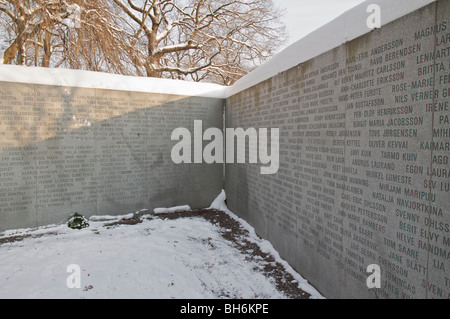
<point>156,258</point>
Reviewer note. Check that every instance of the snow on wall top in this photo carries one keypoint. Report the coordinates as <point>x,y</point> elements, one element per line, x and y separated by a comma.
<point>347,27</point>
<point>100,80</point>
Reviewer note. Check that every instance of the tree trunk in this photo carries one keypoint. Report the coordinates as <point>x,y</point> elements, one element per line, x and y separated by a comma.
<point>10,53</point>
<point>152,66</point>
<point>47,50</point>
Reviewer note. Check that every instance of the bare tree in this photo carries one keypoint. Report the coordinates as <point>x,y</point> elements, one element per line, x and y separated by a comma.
<point>201,40</point>
<point>99,42</point>
<point>79,34</point>
<point>218,40</point>
<point>27,22</point>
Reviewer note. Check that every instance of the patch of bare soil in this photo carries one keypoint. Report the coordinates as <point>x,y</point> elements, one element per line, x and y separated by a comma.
<point>16,238</point>
<point>234,232</point>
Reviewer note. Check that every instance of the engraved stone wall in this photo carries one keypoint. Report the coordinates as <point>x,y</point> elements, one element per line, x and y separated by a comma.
<point>364,175</point>
<point>66,149</point>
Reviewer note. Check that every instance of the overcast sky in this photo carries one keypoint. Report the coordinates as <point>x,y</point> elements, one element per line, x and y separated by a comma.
<point>304,16</point>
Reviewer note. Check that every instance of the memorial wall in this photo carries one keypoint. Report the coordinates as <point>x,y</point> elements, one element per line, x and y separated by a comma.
<point>97,152</point>
<point>364,172</point>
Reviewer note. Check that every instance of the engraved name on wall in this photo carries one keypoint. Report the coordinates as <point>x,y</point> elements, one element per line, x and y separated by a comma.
<point>364,174</point>
<point>67,149</point>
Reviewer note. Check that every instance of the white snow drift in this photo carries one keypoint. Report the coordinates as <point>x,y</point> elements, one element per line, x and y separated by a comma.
<point>182,258</point>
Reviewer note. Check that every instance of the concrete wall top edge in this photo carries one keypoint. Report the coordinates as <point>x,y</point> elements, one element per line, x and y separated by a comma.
<point>349,26</point>
<point>100,80</point>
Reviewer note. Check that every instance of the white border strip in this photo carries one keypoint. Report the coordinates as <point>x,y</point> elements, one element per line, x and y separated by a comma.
<point>100,80</point>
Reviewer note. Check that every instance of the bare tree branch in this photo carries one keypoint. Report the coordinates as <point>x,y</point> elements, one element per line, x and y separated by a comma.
<point>201,40</point>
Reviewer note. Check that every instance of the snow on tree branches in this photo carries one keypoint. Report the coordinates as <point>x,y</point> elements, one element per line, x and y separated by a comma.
<point>201,40</point>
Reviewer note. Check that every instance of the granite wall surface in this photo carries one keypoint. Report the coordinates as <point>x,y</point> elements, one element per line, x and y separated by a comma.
<point>364,175</point>
<point>97,152</point>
